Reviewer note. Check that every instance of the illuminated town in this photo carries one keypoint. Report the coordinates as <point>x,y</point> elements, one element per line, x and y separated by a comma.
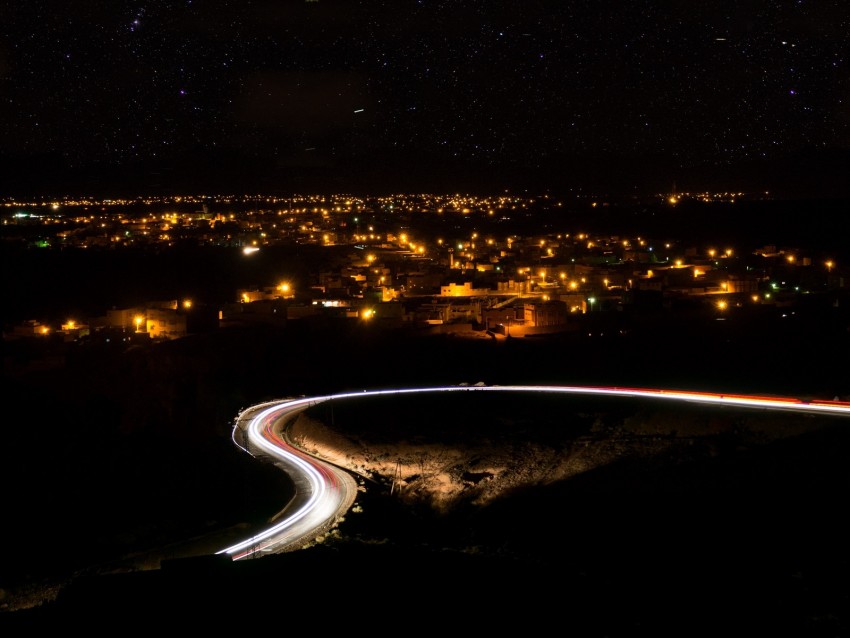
<point>430,317</point>
<point>503,266</point>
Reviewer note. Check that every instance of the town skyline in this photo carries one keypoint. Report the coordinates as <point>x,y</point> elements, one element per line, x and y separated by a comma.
<point>500,264</point>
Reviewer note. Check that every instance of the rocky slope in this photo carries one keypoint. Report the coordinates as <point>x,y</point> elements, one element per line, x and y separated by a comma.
<point>450,461</point>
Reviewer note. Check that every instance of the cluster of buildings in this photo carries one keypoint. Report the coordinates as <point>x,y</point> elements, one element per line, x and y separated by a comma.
<point>497,266</point>
<point>522,285</point>
<point>154,320</point>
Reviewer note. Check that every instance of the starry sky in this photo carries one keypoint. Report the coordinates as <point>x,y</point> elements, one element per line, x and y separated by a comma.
<point>625,96</point>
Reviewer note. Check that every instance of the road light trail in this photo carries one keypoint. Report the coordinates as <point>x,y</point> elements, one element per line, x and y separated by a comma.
<point>324,492</point>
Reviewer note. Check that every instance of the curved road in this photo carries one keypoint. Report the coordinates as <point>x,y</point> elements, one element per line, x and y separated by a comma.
<point>322,491</point>
<point>325,492</point>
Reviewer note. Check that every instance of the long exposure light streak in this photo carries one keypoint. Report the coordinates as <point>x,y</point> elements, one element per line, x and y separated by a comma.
<point>322,492</point>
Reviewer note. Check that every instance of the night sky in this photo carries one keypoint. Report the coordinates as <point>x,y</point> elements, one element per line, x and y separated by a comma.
<point>111,96</point>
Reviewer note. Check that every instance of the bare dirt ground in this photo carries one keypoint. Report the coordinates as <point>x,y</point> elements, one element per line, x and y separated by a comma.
<point>436,467</point>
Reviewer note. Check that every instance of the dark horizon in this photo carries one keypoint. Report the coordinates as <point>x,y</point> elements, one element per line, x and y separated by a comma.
<point>803,175</point>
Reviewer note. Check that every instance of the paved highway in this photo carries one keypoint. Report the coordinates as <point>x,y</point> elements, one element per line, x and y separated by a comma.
<point>324,492</point>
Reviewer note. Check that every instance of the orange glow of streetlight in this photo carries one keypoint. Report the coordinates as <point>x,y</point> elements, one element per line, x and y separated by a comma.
<point>187,303</point>
<point>138,321</point>
<point>722,305</point>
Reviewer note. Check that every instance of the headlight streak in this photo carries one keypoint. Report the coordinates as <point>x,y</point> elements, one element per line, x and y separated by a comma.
<point>237,443</point>
<point>258,429</point>
<point>324,497</point>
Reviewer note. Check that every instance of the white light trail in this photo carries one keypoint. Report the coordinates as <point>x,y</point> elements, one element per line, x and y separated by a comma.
<point>323,499</point>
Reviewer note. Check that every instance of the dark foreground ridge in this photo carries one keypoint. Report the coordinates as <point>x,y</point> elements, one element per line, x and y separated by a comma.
<point>754,543</point>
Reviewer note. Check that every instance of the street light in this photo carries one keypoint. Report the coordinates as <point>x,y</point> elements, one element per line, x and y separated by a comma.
<point>138,320</point>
